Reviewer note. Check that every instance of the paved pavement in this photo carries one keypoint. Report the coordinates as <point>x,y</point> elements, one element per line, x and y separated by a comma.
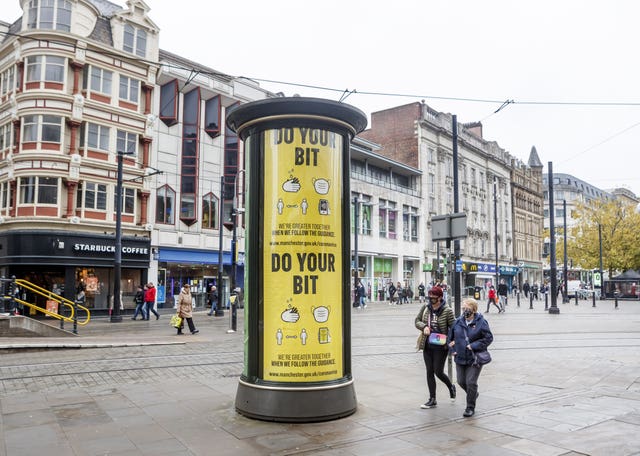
<point>566,384</point>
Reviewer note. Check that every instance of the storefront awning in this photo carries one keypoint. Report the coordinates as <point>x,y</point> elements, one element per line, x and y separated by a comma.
<point>196,256</point>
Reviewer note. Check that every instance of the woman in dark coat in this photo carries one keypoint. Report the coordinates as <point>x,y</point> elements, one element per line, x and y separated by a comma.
<point>469,335</point>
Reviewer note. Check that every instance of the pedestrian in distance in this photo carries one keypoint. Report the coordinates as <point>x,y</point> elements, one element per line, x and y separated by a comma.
<point>399,294</point>
<point>421,292</point>
<point>185,308</point>
<point>138,299</point>
<point>503,292</point>
<point>392,293</point>
<point>469,335</point>
<point>526,288</point>
<point>361,295</point>
<point>434,322</point>
<point>150,301</point>
<point>492,298</point>
<point>212,297</point>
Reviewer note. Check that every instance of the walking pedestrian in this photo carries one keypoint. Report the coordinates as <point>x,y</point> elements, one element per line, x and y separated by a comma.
<point>503,293</point>
<point>139,300</point>
<point>185,308</point>
<point>392,293</point>
<point>470,334</point>
<point>212,297</point>
<point>361,295</point>
<point>492,297</point>
<point>434,321</point>
<point>421,292</point>
<point>526,287</point>
<point>150,301</point>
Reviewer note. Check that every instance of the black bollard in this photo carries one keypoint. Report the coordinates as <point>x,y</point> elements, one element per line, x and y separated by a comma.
<point>546,301</point>
<point>518,298</point>
<point>576,297</point>
<point>594,298</point>
<point>530,300</point>
<point>75,317</point>
<point>616,300</point>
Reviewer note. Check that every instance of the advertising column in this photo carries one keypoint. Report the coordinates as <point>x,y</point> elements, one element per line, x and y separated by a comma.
<point>297,312</point>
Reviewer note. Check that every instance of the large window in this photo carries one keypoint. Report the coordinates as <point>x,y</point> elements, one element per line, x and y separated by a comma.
<point>410,223</point>
<point>135,40</point>
<point>127,143</point>
<point>49,14</point>
<point>92,196</point>
<point>99,80</point>
<point>209,211</point>
<point>129,89</point>
<point>387,219</point>
<point>5,197</point>
<point>48,68</point>
<point>8,80</point>
<point>5,136</point>
<point>128,200</point>
<point>38,190</point>
<point>189,159</point>
<point>165,203</point>
<point>212,115</point>
<point>169,103</point>
<point>94,136</point>
<point>42,128</point>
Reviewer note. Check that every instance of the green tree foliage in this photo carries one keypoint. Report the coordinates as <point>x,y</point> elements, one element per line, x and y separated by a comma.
<point>620,237</point>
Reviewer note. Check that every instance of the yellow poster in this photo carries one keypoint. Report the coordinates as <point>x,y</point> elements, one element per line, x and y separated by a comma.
<point>302,273</point>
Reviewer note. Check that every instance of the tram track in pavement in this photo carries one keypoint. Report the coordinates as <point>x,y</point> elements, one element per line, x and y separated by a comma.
<point>89,365</point>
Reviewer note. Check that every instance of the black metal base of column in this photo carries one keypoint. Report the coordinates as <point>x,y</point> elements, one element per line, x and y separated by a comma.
<point>554,310</point>
<point>218,313</point>
<point>296,405</point>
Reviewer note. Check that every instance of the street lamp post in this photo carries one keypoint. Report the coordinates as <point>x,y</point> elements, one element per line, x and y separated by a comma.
<point>219,312</point>
<point>355,252</point>
<point>235,211</point>
<point>495,224</point>
<point>565,274</point>
<point>116,317</point>
<point>603,295</point>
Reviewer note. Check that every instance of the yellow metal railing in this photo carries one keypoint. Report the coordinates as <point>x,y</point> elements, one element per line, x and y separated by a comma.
<point>54,297</point>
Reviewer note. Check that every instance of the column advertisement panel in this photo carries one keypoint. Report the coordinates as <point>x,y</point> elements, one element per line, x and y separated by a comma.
<point>302,273</point>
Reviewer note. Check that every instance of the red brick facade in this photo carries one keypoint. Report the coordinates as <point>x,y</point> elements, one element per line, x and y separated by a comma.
<point>395,130</point>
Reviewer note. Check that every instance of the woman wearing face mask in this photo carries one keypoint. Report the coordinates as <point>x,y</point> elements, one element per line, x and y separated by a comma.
<point>469,334</point>
<point>436,318</point>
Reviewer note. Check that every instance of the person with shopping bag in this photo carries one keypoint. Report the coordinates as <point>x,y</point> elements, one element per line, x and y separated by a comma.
<point>185,308</point>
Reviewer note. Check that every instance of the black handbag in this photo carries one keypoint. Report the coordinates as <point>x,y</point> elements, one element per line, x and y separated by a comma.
<point>479,358</point>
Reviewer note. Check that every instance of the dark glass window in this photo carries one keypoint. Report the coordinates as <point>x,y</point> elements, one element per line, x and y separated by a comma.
<point>169,103</point>
<point>209,211</point>
<point>189,159</point>
<point>165,203</point>
<point>212,113</point>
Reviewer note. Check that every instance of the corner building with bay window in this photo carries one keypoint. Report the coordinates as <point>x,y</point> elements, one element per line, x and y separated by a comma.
<point>82,83</point>
<point>76,89</point>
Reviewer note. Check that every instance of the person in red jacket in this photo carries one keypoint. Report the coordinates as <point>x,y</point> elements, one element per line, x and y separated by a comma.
<point>150,300</point>
<point>492,299</point>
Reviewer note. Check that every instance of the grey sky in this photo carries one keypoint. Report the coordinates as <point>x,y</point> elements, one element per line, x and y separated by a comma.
<point>568,51</point>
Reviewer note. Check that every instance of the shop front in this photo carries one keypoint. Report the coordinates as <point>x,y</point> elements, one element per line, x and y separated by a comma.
<point>199,268</point>
<point>64,262</point>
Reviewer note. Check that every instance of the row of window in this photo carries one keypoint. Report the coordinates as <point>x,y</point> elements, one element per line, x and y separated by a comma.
<point>43,190</point>
<point>46,128</point>
<point>56,15</point>
<point>51,69</point>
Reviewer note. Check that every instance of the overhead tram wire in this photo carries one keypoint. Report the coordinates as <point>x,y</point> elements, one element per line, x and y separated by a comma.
<point>210,72</point>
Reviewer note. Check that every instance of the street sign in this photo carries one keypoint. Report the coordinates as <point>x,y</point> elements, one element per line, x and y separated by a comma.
<point>458,265</point>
